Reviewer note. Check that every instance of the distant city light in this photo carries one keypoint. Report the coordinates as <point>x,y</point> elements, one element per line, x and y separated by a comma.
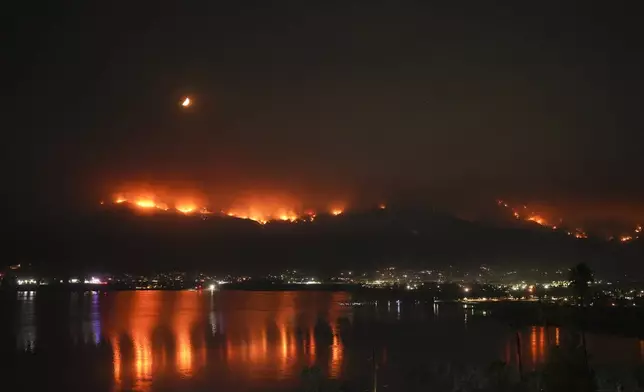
<point>94,280</point>
<point>26,281</point>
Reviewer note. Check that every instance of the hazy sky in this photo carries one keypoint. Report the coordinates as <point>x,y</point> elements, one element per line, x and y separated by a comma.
<point>363,100</point>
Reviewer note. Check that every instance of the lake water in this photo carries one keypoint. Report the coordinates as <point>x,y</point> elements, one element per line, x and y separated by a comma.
<point>254,341</point>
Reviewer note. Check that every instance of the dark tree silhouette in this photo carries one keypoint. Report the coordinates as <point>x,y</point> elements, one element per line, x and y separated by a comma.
<point>580,277</point>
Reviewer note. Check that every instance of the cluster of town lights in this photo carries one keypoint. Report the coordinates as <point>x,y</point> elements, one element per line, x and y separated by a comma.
<point>30,281</point>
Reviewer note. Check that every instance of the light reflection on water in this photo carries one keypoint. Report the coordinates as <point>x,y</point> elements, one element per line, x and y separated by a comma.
<point>26,337</point>
<point>263,334</point>
<point>235,340</point>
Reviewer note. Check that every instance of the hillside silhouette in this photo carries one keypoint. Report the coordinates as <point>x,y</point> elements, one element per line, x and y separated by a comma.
<point>119,238</point>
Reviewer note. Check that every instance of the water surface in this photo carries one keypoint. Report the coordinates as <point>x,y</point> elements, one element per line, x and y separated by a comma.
<point>254,341</point>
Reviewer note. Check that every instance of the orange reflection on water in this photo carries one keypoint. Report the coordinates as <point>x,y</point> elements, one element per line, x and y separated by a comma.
<point>337,352</point>
<point>311,347</point>
<point>280,341</point>
<point>157,335</point>
<point>537,346</point>
<point>533,346</point>
<point>337,348</point>
<point>116,361</point>
<point>141,322</point>
<point>187,310</point>
<point>542,344</point>
<point>557,336</point>
<point>134,318</point>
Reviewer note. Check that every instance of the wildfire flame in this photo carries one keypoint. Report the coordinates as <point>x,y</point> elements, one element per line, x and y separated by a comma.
<point>259,209</point>
<point>625,238</point>
<point>538,220</point>
<point>186,102</point>
<point>145,203</point>
<point>186,209</point>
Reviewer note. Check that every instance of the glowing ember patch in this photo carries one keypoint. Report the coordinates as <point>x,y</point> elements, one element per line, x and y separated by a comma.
<point>382,206</point>
<point>119,200</point>
<point>186,102</point>
<point>580,234</point>
<point>625,238</point>
<point>336,211</point>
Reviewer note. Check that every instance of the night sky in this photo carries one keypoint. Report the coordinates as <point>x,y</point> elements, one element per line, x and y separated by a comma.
<point>382,100</point>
